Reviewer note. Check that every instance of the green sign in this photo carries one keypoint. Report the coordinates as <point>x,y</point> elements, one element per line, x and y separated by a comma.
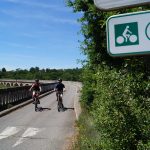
<point>126,34</point>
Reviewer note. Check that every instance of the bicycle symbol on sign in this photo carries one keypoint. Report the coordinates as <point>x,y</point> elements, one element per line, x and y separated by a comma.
<point>126,35</point>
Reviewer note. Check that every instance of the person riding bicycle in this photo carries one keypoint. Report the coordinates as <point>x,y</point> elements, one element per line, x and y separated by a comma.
<point>36,89</point>
<point>126,33</point>
<point>60,87</point>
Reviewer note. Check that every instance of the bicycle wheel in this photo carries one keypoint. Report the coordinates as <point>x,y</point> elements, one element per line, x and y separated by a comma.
<point>133,38</point>
<point>62,107</point>
<point>120,39</point>
<point>36,105</point>
<point>58,104</point>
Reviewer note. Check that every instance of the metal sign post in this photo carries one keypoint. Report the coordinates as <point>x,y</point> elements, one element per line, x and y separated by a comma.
<point>119,4</point>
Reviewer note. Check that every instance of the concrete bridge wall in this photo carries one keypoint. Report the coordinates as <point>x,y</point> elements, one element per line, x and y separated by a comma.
<point>18,94</point>
<point>11,83</point>
<point>15,83</point>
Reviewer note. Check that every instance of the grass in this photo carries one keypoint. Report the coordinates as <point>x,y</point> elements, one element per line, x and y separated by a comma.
<point>88,137</point>
<point>2,86</point>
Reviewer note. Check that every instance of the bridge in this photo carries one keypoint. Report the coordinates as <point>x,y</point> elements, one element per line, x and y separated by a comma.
<point>10,83</point>
<point>23,128</point>
<point>17,91</point>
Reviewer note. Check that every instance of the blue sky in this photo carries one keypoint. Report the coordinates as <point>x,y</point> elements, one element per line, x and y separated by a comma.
<point>42,33</point>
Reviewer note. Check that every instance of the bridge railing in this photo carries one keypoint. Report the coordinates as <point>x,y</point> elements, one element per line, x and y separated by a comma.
<point>18,94</point>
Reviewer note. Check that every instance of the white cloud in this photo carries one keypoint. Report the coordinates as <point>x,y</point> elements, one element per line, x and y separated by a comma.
<point>41,16</point>
<point>39,5</point>
<point>18,45</point>
<point>61,20</point>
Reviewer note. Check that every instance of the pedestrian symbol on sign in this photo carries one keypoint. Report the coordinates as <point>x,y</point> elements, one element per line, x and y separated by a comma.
<point>126,34</point>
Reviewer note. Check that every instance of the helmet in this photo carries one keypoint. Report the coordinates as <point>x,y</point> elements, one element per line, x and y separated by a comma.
<point>60,80</point>
<point>36,80</point>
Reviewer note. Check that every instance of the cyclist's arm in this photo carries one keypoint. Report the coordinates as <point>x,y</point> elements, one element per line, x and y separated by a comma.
<point>130,32</point>
<point>55,89</point>
<point>31,87</point>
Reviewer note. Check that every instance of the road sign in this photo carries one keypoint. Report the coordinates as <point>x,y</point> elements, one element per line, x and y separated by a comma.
<point>119,4</point>
<point>128,34</point>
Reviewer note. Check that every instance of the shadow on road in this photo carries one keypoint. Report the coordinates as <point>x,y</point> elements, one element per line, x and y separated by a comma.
<point>43,109</point>
<point>67,108</point>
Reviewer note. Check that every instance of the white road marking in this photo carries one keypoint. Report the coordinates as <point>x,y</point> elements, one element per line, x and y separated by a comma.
<point>77,106</point>
<point>9,131</point>
<point>28,133</point>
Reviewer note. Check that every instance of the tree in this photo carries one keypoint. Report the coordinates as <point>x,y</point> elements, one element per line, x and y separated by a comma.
<point>4,70</point>
<point>114,89</point>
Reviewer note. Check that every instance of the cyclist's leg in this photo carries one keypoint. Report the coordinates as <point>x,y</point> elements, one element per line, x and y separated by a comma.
<point>61,101</point>
<point>37,97</point>
<point>33,96</point>
<point>57,96</point>
<point>36,104</point>
<point>62,104</point>
<point>38,100</point>
<point>58,104</point>
<point>127,37</point>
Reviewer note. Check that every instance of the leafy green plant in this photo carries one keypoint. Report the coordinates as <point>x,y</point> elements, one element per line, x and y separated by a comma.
<point>115,90</point>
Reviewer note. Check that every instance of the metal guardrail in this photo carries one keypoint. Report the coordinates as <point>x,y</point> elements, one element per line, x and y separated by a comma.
<point>18,94</point>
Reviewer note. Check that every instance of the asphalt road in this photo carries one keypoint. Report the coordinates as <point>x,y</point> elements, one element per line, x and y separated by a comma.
<point>48,129</point>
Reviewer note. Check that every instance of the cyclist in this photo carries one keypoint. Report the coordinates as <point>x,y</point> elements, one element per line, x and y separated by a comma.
<point>36,88</point>
<point>60,87</point>
<point>126,33</point>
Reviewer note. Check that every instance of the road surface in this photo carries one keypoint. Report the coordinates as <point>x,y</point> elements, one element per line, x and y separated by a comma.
<point>48,129</point>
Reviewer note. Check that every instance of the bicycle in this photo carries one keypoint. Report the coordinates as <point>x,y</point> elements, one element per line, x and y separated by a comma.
<point>126,36</point>
<point>132,39</point>
<point>36,100</point>
<point>60,105</point>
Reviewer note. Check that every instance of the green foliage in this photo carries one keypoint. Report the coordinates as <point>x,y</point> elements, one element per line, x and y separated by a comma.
<point>115,90</point>
<point>120,112</point>
<point>88,87</point>
<point>43,74</point>
<point>2,86</point>
<point>3,70</point>
<point>88,138</point>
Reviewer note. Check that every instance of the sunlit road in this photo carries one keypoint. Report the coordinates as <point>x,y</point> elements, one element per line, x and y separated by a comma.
<point>25,129</point>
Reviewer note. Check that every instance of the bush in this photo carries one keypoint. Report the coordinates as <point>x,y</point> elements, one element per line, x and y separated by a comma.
<point>120,112</point>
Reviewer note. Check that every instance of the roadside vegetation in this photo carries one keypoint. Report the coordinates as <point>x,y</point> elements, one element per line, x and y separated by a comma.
<point>116,91</point>
<point>2,86</point>
<point>42,74</point>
